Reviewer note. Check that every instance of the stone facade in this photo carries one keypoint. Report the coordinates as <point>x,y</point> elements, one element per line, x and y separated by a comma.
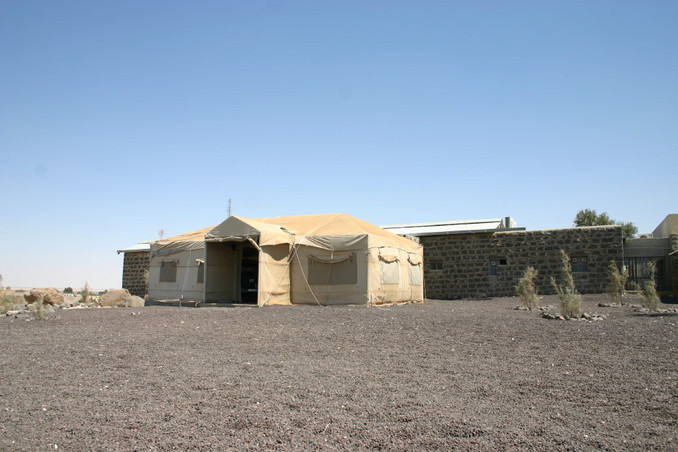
<point>490,264</point>
<point>673,264</point>
<point>134,267</point>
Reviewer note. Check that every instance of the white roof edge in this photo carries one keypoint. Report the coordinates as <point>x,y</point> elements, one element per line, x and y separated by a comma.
<point>443,223</point>
<point>141,246</point>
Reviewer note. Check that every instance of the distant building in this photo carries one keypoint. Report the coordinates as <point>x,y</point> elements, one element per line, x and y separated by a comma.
<point>660,248</point>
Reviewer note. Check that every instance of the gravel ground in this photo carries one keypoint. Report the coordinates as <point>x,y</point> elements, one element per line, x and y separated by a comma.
<point>463,374</point>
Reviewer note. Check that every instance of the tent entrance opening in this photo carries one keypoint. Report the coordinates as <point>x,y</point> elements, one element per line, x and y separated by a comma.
<point>249,274</point>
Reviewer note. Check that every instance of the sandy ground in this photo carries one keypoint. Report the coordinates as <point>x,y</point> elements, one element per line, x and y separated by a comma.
<point>464,375</point>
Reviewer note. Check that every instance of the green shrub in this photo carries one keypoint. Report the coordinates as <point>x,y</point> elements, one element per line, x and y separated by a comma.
<point>617,286</point>
<point>570,299</point>
<point>526,289</point>
<point>649,292</point>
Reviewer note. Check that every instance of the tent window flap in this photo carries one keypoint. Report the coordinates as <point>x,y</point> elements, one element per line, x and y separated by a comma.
<point>390,271</point>
<point>328,271</point>
<point>168,271</point>
<point>416,276</point>
<point>201,273</point>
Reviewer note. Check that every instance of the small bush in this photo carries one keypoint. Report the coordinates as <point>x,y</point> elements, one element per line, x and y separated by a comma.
<point>617,286</point>
<point>85,294</point>
<point>649,292</point>
<point>6,304</point>
<point>68,290</point>
<point>526,289</point>
<point>38,309</point>
<point>570,299</point>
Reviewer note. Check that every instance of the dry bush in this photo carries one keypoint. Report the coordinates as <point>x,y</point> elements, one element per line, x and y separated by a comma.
<point>526,289</point>
<point>85,294</point>
<point>617,286</point>
<point>649,292</point>
<point>6,304</point>
<point>570,299</point>
<point>38,309</point>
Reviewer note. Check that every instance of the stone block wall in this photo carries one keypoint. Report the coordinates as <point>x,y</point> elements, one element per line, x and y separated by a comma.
<point>673,263</point>
<point>133,267</point>
<point>490,264</point>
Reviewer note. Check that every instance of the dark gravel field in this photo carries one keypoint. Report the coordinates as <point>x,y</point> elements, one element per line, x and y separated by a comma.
<point>450,375</point>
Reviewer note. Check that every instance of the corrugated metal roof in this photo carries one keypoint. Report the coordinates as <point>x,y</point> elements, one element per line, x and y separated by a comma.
<point>451,227</point>
<point>143,246</point>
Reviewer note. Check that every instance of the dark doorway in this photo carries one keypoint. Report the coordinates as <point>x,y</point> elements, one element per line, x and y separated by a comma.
<point>249,274</point>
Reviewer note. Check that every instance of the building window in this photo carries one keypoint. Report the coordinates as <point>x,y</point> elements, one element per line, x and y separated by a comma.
<point>324,271</point>
<point>168,271</point>
<point>495,263</point>
<point>201,272</point>
<point>579,264</point>
<point>435,264</point>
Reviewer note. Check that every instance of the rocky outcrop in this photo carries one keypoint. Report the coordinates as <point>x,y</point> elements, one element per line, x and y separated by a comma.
<point>134,302</point>
<point>115,297</point>
<point>49,296</point>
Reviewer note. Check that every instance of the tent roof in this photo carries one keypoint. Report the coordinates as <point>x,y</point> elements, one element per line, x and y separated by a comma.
<point>282,228</point>
<point>194,236</point>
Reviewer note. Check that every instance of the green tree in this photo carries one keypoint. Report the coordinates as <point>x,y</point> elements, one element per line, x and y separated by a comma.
<point>589,217</point>
<point>68,290</point>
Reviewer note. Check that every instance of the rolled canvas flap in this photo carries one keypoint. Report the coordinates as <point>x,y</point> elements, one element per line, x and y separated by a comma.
<point>331,260</point>
<point>414,260</point>
<point>388,258</point>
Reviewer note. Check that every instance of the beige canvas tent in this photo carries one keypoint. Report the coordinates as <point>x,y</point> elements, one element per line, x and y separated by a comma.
<point>177,267</point>
<point>309,259</point>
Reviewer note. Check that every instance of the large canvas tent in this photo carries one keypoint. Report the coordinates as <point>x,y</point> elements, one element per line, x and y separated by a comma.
<point>309,259</point>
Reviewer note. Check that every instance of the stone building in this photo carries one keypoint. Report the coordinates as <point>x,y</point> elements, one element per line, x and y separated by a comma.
<point>135,268</point>
<point>488,258</point>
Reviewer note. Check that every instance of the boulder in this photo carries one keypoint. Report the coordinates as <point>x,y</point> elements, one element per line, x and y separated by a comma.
<point>49,296</point>
<point>135,302</point>
<point>115,297</point>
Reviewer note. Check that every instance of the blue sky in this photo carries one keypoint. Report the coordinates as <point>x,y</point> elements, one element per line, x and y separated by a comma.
<point>121,118</point>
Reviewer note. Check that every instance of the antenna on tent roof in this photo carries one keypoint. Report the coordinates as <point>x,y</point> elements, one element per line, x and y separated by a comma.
<point>229,207</point>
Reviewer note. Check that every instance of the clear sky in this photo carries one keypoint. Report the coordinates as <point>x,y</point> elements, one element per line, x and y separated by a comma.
<point>122,118</point>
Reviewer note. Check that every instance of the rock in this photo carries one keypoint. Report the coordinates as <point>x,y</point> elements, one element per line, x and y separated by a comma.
<point>135,302</point>
<point>49,296</point>
<point>115,297</point>
<point>23,315</point>
<point>521,308</point>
